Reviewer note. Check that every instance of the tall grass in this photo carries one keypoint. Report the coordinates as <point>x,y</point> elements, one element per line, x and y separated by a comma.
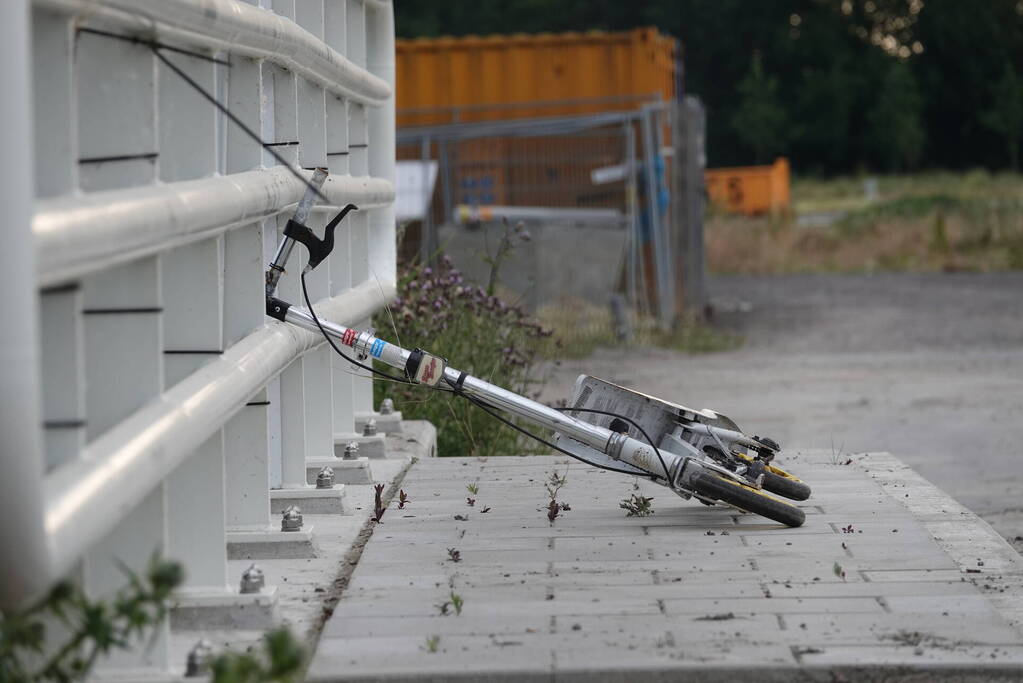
<point>932,222</point>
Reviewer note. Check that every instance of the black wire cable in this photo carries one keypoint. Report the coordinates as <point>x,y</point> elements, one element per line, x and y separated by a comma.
<point>234,119</point>
<point>488,409</point>
<point>370,368</point>
<point>316,319</point>
<point>667,474</point>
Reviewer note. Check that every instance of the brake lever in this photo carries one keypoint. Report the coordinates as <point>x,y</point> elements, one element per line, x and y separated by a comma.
<point>319,249</point>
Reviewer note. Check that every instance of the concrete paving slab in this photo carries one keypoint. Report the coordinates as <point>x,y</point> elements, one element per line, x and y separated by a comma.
<point>306,589</point>
<point>689,591</point>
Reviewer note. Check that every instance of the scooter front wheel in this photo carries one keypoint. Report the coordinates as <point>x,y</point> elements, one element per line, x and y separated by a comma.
<point>784,484</point>
<point>746,498</point>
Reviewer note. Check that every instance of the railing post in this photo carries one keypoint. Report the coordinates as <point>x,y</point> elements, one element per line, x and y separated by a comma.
<point>124,370</point>
<point>123,333</point>
<point>21,463</point>
<point>193,285</point>
<point>319,395</point>
<point>359,27</point>
<point>248,436</point>
<point>335,34</point>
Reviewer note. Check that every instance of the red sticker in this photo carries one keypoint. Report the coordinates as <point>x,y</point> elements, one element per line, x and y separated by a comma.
<point>348,338</point>
<point>429,372</point>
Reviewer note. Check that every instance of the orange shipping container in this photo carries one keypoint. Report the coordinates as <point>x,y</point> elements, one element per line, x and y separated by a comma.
<point>489,78</point>
<point>750,190</point>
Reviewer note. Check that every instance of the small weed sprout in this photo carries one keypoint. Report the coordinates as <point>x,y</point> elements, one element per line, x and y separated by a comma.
<point>454,554</point>
<point>554,484</point>
<point>470,502</point>
<point>378,503</point>
<point>839,572</point>
<point>403,499</point>
<point>456,603</point>
<point>637,506</point>
<point>553,510</point>
<point>839,456</point>
<point>432,643</point>
<point>484,510</point>
<point>473,488</point>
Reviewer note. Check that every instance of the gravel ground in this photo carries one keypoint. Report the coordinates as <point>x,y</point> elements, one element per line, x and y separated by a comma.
<point>926,366</point>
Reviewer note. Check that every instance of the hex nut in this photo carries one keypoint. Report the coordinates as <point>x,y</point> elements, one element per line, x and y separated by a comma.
<point>199,659</point>
<point>252,579</point>
<point>351,450</point>
<point>291,520</point>
<point>371,427</point>
<point>386,407</point>
<point>325,478</point>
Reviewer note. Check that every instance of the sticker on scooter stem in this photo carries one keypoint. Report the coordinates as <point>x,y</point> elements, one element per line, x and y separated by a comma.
<point>424,368</point>
<point>348,338</point>
<point>377,348</point>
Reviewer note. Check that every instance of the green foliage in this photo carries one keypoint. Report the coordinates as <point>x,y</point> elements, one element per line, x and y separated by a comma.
<point>282,660</point>
<point>895,125</point>
<point>1005,117</point>
<point>61,637</point>
<point>480,334</point>
<point>830,58</point>
<point>760,121</point>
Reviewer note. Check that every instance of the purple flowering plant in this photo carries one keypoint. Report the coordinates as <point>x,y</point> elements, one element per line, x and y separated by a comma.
<point>438,310</point>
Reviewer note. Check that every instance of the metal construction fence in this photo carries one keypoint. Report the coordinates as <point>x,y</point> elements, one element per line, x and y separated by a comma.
<point>621,173</point>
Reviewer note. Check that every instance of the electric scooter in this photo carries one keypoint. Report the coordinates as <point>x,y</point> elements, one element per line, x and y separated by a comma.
<point>697,454</point>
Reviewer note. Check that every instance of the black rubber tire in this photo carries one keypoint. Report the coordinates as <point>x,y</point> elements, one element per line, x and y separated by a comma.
<point>746,498</point>
<point>783,486</point>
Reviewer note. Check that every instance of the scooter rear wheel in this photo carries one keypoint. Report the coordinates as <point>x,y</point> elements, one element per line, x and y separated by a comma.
<point>746,498</point>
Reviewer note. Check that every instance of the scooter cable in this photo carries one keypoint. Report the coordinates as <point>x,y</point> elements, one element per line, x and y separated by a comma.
<point>370,368</point>
<point>667,474</point>
<point>489,410</point>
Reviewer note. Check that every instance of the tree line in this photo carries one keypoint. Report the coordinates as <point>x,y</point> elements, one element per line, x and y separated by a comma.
<point>838,86</point>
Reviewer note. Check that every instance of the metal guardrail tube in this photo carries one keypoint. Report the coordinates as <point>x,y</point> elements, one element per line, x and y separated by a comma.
<point>86,498</point>
<point>242,29</point>
<point>25,565</point>
<point>83,234</point>
<point>381,62</point>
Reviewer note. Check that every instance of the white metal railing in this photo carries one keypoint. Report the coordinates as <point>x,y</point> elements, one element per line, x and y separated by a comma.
<point>78,235</point>
<point>140,366</point>
<point>241,29</point>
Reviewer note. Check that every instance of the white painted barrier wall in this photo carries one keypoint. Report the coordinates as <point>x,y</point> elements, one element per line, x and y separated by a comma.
<point>148,404</point>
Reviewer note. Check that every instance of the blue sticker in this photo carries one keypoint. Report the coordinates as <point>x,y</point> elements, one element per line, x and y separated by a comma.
<point>377,348</point>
